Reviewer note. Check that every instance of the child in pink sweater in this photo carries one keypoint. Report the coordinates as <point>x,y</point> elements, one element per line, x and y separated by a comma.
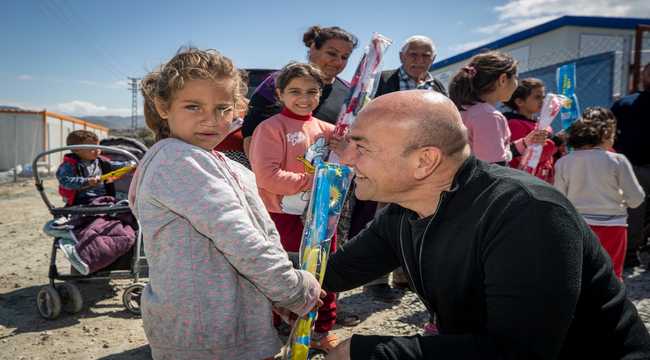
<point>283,182</point>
<point>488,79</point>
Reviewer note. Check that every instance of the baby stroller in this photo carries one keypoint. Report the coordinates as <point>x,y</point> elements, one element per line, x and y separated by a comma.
<point>65,295</point>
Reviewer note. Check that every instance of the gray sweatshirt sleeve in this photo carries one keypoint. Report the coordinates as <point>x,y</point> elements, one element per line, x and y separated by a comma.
<point>210,202</point>
<point>633,193</point>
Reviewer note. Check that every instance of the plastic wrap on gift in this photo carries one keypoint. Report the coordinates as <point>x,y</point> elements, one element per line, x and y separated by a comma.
<point>330,188</point>
<point>363,85</point>
<point>551,106</point>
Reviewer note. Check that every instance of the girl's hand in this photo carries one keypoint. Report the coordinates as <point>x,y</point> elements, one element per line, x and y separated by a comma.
<point>338,144</point>
<point>313,293</point>
<point>286,315</point>
<point>111,179</point>
<point>536,137</point>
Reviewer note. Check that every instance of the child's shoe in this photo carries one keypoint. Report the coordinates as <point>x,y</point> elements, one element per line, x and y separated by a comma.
<point>67,246</point>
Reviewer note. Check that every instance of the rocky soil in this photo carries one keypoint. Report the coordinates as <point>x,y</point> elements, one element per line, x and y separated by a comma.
<point>105,330</point>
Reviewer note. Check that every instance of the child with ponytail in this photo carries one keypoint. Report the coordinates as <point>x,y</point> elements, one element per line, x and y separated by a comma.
<point>476,89</point>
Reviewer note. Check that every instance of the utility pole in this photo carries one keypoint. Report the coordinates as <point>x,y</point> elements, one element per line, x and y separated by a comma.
<point>133,86</point>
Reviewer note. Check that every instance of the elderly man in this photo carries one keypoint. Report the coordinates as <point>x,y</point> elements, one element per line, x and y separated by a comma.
<point>503,259</point>
<point>417,55</point>
<point>633,127</point>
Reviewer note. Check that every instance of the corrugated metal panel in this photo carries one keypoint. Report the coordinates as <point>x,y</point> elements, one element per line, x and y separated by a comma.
<point>21,140</point>
<point>24,134</point>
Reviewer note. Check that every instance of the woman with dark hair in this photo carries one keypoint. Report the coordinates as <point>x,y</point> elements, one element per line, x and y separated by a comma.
<point>329,50</point>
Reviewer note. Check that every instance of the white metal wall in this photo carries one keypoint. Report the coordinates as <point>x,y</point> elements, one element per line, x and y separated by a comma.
<point>58,130</point>
<point>565,44</point>
<point>21,138</point>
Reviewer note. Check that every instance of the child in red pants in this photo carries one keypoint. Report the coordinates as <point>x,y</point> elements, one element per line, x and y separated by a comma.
<point>282,180</point>
<point>600,183</point>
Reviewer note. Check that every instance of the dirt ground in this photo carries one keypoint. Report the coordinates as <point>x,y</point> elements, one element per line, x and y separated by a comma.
<point>104,329</point>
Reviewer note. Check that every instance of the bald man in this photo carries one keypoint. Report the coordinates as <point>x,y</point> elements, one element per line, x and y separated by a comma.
<point>502,258</point>
<point>416,56</point>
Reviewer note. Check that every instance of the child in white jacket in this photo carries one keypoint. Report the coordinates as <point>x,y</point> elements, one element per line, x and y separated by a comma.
<point>600,183</point>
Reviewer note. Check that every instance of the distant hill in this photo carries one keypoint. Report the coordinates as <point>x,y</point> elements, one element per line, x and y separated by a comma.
<point>7,107</point>
<point>111,122</point>
<point>114,122</point>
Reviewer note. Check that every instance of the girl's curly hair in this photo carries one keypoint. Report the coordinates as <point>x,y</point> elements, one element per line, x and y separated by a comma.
<point>597,124</point>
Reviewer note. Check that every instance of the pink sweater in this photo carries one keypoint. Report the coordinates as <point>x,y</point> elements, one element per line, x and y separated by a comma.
<point>275,146</point>
<point>488,132</point>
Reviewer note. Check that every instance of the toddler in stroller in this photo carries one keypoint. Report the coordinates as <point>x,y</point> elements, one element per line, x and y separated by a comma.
<point>94,230</point>
<point>86,178</point>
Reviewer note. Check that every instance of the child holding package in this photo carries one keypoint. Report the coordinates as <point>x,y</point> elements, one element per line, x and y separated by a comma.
<point>525,103</point>
<point>476,89</point>
<point>79,174</point>
<point>599,183</point>
<point>283,181</point>
<point>216,264</point>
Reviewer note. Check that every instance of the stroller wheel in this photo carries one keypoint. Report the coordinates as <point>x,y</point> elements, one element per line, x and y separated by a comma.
<point>48,302</point>
<point>70,297</point>
<point>131,298</point>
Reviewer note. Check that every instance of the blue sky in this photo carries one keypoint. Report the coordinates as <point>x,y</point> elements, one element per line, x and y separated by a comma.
<point>74,56</point>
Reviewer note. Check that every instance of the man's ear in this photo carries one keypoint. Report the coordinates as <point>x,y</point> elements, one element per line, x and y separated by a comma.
<point>427,160</point>
<point>161,108</point>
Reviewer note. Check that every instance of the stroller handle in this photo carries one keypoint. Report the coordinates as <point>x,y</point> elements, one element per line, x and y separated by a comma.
<point>39,182</point>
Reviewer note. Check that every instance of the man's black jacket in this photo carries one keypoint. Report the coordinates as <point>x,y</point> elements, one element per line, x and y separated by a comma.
<point>509,268</point>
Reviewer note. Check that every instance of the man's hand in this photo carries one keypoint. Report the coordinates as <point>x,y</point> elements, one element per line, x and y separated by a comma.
<point>341,351</point>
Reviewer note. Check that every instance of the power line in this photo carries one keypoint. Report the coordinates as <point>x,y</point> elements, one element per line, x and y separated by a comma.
<point>57,11</point>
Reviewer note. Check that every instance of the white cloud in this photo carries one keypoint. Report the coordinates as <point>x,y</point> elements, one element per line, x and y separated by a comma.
<point>518,15</point>
<point>120,84</point>
<point>25,77</point>
<point>471,45</point>
<point>85,108</point>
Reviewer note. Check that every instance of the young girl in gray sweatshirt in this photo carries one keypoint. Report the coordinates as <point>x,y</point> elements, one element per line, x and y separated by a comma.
<point>216,264</point>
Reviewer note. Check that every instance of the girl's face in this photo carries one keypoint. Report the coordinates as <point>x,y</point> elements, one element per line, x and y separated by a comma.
<point>506,86</point>
<point>533,103</point>
<point>331,58</point>
<point>201,112</point>
<point>301,95</point>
